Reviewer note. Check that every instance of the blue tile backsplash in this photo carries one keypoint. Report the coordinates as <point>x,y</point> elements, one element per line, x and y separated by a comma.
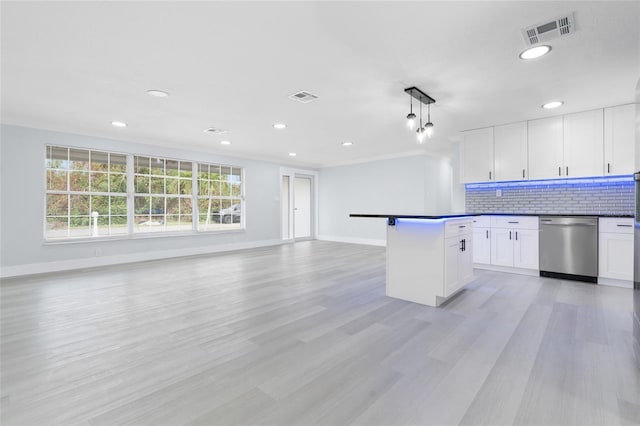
<point>597,196</point>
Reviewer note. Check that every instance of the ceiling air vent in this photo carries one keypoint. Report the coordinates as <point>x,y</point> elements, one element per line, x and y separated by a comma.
<point>550,30</point>
<point>215,130</point>
<point>303,97</point>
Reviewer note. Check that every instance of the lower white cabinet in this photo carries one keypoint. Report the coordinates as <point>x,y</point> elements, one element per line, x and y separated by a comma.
<point>429,260</point>
<point>458,263</point>
<point>515,241</point>
<point>615,255</point>
<point>482,240</point>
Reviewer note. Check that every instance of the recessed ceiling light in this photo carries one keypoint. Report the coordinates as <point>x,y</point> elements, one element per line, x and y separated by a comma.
<point>551,105</point>
<point>535,52</point>
<point>225,142</point>
<point>292,154</point>
<point>119,123</point>
<point>279,126</point>
<point>158,93</point>
<point>347,143</point>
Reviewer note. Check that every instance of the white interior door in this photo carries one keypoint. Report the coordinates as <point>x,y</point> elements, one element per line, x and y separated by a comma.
<point>302,207</point>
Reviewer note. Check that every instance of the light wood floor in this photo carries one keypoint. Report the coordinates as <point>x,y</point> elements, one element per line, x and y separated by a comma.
<point>303,334</point>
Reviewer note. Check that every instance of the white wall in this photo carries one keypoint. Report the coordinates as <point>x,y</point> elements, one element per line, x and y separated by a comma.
<point>22,247</point>
<point>408,185</point>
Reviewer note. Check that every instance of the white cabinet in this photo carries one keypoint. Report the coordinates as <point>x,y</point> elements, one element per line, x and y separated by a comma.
<point>515,241</point>
<point>476,156</point>
<point>458,263</point>
<point>583,144</point>
<point>615,257</point>
<point>481,240</point>
<point>429,260</point>
<point>545,148</point>
<point>510,146</point>
<point>619,139</point>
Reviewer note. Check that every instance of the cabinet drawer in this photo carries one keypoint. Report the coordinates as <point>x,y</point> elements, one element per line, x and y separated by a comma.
<point>515,222</point>
<point>482,222</point>
<point>455,227</point>
<point>616,225</point>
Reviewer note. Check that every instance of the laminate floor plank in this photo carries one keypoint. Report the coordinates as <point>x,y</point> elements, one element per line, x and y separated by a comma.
<point>304,334</point>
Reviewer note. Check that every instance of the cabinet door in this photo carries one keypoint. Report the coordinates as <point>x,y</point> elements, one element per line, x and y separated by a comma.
<point>525,249</point>
<point>501,247</point>
<point>619,137</point>
<point>465,262</point>
<point>481,246</point>
<point>545,148</point>
<point>451,279</point>
<point>476,156</point>
<point>510,146</point>
<point>584,144</point>
<point>616,256</point>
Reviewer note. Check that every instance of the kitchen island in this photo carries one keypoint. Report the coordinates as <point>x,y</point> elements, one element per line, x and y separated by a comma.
<point>429,258</point>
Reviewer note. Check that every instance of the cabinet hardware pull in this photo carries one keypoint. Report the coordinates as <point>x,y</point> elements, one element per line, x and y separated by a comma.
<point>514,221</point>
<point>567,170</point>
<point>516,235</point>
<point>489,175</point>
<point>522,173</point>
<point>461,245</point>
<point>487,231</point>
<point>464,245</point>
<point>624,226</point>
<point>608,167</point>
<point>509,234</point>
<point>559,171</point>
<point>462,226</point>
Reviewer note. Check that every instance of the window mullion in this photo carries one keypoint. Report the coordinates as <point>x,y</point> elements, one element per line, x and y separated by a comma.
<point>130,195</point>
<point>194,196</point>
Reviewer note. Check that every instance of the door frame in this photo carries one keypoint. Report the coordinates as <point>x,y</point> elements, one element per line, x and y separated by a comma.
<point>292,173</point>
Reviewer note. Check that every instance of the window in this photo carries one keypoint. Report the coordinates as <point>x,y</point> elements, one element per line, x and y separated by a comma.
<point>163,197</point>
<point>219,197</point>
<point>86,193</point>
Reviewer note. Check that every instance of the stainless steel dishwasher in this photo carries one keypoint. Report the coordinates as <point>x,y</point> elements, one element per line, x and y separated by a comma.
<point>569,247</point>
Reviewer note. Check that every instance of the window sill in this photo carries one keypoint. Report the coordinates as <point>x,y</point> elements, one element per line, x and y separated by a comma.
<point>139,236</point>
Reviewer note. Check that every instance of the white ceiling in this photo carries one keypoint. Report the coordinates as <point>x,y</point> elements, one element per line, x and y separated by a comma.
<point>77,66</point>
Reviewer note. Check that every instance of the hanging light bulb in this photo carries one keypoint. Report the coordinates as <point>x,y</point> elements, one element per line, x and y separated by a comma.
<point>420,130</point>
<point>429,126</point>
<point>411,117</point>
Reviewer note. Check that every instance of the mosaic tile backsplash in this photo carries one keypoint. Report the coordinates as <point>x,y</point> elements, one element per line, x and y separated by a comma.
<point>597,196</point>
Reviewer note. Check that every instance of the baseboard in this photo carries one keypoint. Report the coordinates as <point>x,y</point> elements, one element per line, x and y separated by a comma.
<point>509,269</point>
<point>92,262</point>
<point>350,240</point>
<point>615,282</point>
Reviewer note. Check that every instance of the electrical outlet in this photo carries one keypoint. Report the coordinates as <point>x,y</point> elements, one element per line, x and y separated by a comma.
<point>498,192</point>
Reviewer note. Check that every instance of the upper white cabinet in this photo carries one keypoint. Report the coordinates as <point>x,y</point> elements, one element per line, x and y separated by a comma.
<point>590,143</point>
<point>583,144</point>
<point>545,148</point>
<point>619,138</point>
<point>476,156</point>
<point>510,146</point>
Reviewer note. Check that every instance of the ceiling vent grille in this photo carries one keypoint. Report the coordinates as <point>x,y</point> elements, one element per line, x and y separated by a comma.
<point>303,96</point>
<point>215,131</point>
<point>549,30</point>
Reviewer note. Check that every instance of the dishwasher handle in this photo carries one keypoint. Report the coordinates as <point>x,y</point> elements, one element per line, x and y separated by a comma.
<point>551,222</point>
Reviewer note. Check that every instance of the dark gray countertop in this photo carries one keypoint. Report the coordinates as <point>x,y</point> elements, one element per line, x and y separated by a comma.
<point>454,215</point>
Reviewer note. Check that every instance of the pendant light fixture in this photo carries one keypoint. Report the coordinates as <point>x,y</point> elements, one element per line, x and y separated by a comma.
<point>420,130</point>
<point>423,98</point>
<point>429,126</point>
<point>411,117</point>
